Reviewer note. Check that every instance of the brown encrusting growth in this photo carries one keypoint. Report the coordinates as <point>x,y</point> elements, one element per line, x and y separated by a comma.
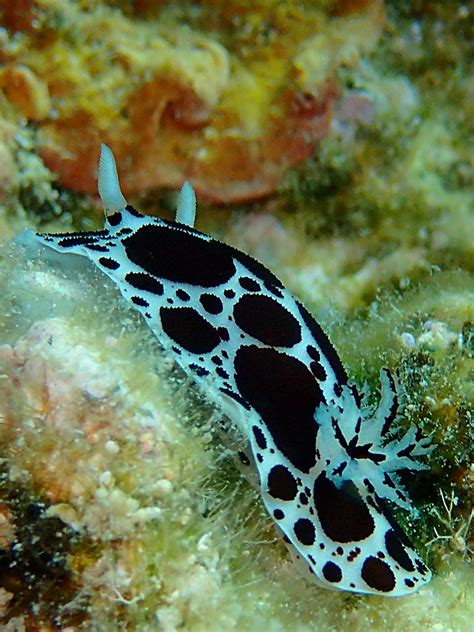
<point>226,97</point>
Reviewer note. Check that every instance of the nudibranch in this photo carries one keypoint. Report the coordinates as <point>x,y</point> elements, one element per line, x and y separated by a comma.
<point>326,460</point>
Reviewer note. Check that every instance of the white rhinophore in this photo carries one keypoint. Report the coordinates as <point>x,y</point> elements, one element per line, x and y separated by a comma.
<point>109,186</point>
<point>186,209</point>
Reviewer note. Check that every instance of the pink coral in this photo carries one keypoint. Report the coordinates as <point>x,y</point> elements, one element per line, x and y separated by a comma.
<point>74,410</point>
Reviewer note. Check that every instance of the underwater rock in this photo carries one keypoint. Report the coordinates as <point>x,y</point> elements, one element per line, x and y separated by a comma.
<point>79,434</point>
<point>375,237</point>
<point>152,530</point>
<point>224,96</point>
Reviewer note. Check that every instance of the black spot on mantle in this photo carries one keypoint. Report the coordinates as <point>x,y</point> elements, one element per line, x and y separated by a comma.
<point>285,394</point>
<point>325,344</point>
<point>259,438</point>
<point>304,531</point>
<point>266,320</point>
<point>142,281</point>
<point>189,329</point>
<point>378,574</point>
<point>211,303</point>
<point>343,514</point>
<point>271,282</point>
<point>108,263</point>
<point>179,256</point>
<point>249,284</point>
<point>115,218</point>
<point>281,483</point>
<point>332,572</point>
<point>396,550</point>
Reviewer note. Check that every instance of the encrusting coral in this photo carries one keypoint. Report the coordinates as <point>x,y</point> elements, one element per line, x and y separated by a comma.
<point>225,96</point>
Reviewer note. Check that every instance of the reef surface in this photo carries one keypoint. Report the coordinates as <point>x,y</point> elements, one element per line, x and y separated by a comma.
<point>226,95</point>
<point>120,507</point>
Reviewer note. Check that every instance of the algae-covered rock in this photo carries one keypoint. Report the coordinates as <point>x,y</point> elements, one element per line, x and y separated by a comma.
<point>120,507</point>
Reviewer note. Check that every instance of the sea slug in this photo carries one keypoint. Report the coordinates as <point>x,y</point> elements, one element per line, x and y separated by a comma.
<point>326,460</point>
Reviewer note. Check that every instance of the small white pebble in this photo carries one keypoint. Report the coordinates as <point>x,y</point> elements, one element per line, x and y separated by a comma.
<point>164,486</point>
<point>408,340</point>
<point>146,514</point>
<point>185,516</point>
<point>427,325</point>
<point>110,341</point>
<point>169,619</point>
<point>105,478</point>
<point>112,447</point>
<point>437,336</point>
